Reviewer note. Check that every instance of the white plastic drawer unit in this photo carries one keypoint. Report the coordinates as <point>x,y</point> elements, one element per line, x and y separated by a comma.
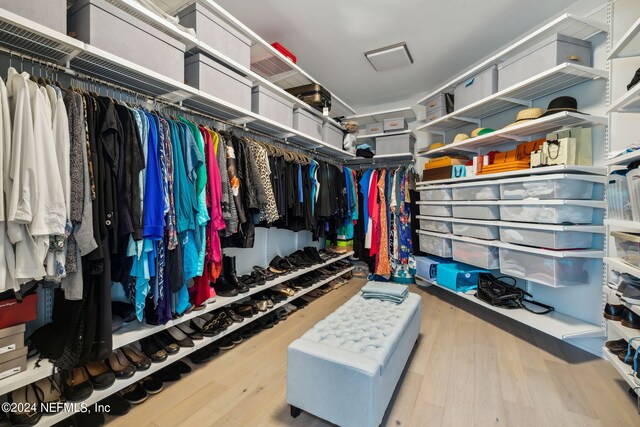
<point>476,229</point>
<point>434,243</point>
<point>627,247</point>
<point>476,210</point>
<point>551,236</point>
<point>550,211</point>
<point>478,254</point>
<point>436,193</point>
<point>443,209</point>
<point>551,268</point>
<point>556,186</point>
<point>476,191</point>
<point>435,224</point>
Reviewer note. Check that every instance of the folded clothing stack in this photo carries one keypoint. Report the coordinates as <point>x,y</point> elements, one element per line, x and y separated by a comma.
<point>385,291</point>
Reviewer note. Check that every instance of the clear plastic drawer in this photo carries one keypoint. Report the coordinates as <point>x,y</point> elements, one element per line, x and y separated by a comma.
<point>479,231</point>
<point>627,247</point>
<point>545,189</point>
<point>435,225</point>
<point>476,254</point>
<point>476,212</point>
<point>477,192</point>
<point>435,245</point>
<point>551,239</point>
<point>435,210</point>
<point>436,194</point>
<point>547,214</point>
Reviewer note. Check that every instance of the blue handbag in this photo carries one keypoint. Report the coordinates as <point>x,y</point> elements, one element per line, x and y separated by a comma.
<point>458,277</point>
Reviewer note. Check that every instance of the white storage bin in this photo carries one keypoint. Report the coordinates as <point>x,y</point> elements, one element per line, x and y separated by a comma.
<point>476,254</point>
<point>435,245</point>
<point>332,135</point>
<point>618,198</point>
<point>479,231</point>
<point>374,128</point>
<point>546,269</point>
<point>215,79</point>
<point>627,247</point>
<point>542,57</point>
<point>107,27</point>
<point>50,13</point>
<point>217,33</point>
<point>476,212</point>
<point>307,123</point>
<point>545,188</point>
<point>478,87</point>
<point>436,194</point>
<point>396,124</point>
<point>395,144</point>
<point>477,192</point>
<point>271,106</point>
<point>551,239</point>
<point>547,214</point>
<point>436,226</point>
<point>435,210</point>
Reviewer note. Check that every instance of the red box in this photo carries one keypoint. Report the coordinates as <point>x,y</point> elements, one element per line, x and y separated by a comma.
<point>277,46</point>
<point>13,312</point>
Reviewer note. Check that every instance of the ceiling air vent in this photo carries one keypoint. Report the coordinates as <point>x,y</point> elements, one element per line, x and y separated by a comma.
<point>389,57</point>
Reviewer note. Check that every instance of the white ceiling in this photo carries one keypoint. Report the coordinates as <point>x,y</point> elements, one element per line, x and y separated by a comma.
<point>329,37</point>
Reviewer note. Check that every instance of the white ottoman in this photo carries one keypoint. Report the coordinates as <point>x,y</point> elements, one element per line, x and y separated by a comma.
<point>346,367</point>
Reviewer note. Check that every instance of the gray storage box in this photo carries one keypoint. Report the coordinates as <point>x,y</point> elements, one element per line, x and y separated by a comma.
<point>215,79</point>
<point>307,123</point>
<point>374,128</point>
<point>395,144</point>
<point>436,103</point>
<point>391,125</point>
<point>13,362</point>
<point>476,88</point>
<point>542,57</point>
<point>217,33</point>
<point>271,106</point>
<point>332,135</point>
<point>436,114</point>
<point>12,338</point>
<point>50,13</point>
<point>106,27</point>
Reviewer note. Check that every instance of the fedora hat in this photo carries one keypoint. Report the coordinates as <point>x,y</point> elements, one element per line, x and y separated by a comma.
<point>460,137</point>
<point>562,103</point>
<point>481,131</point>
<point>526,115</point>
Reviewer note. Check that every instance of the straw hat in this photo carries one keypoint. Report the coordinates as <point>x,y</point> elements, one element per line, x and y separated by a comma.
<point>436,145</point>
<point>526,115</point>
<point>481,131</point>
<point>460,137</point>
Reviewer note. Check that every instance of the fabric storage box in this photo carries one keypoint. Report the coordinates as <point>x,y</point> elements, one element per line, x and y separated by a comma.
<point>547,213</point>
<point>443,172</point>
<point>438,194</point>
<point>476,254</point>
<point>307,123</point>
<point>435,210</point>
<point>12,338</point>
<point>395,144</point>
<point>332,135</point>
<point>547,269</point>
<point>391,125</point>
<point>476,192</point>
<point>434,244</point>
<point>215,79</point>
<point>476,212</point>
<point>50,13</point>
<point>435,225</point>
<point>544,188</point>
<point>107,27</point>
<point>436,114</point>
<point>476,88</point>
<point>551,239</point>
<point>479,231</point>
<point>13,362</point>
<point>13,312</point>
<point>542,57</point>
<point>375,128</point>
<point>427,266</point>
<point>439,102</point>
<point>271,106</point>
<point>458,277</point>
<point>627,247</point>
<point>217,33</point>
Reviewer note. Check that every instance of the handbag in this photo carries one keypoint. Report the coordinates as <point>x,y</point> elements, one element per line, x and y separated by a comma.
<point>497,293</point>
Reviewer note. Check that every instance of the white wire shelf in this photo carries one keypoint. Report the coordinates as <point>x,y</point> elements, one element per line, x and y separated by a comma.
<point>623,224</point>
<point>382,158</point>
<point>627,103</point>
<point>383,134</point>
<point>622,267</point>
<point>624,332</point>
<point>593,170</point>
<point>623,159</point>
<point>364,119</point>
<point>628,46</point>
<point>567,24</point>
<point>521,132</point>
<point>558,78</point>
<point>555,324</point>
<point>598,229</point>
<point>97,395</point>
<point>623,369</point>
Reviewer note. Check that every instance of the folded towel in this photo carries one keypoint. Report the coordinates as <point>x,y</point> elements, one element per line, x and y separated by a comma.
<point>385,288</point>
<point>384,297</point>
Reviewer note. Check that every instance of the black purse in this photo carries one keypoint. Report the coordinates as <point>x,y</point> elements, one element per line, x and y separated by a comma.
<point>497,293</point>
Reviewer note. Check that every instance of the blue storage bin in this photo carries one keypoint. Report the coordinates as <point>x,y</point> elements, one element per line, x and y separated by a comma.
<point>458,277</point>
<point>426,266</point>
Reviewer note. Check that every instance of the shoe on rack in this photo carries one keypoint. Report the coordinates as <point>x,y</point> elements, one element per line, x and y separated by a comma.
<point>117,405</point>
<point>613,312</point>
<point>134,394</point>
<point>152,384</point>
<point>189,331</point>
<point>262,305</point>
<point>222,286</point>
<point>627,356</point>
<point>631,294</point>
<point>236,338</point>
<point>180,337</point>
<point>49,389</point>
<point>140,360</point>
<point>181,367</point>
<point>226,344</point>
<point>152,349</point>
<point>249,280</point>
<point>120,364</point>
<point>88,419</point>
<point>168,374</point>
<point>167,342</point>
<point>233,315</point>
<point>617,346</point>
<point>229,269</point>
<point>27,400</point>
<point>76,384</point>
<point>313,253</point>
<point>280,265</point>
<point>630,319</point>
<point>100,375</point>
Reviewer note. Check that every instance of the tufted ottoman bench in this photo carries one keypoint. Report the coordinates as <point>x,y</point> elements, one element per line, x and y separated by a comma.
<point>346,367</point>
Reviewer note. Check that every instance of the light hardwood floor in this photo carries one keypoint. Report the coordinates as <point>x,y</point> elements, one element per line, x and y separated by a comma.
<point>471,367</point>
